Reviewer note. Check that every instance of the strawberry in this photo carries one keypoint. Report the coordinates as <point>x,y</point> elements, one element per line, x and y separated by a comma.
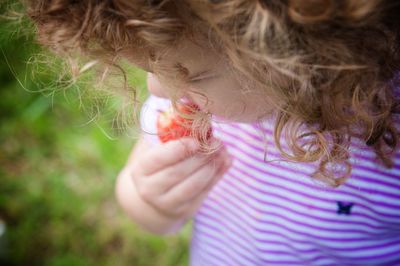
<point>171,125</point>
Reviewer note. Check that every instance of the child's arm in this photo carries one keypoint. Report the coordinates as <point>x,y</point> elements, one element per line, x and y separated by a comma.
<point>162,185</point>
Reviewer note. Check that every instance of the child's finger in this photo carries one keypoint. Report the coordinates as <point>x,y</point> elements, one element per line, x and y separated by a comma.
<point>193,185</point>
<point>167,154</point>
<point>192,205</point>
<point>162,181</point>
<point>152,187</point>
<point>172,175</point>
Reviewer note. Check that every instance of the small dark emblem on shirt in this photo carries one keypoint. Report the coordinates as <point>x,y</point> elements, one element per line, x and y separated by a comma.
<point>344,207</point>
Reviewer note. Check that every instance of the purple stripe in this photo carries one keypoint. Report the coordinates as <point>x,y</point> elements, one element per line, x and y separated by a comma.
<point>370,155</point>
<point>287,243</point>
<point>347,240</point>
<point>309,250</point>
<point>395,254</point>
<point>221,237</point>
<point>389,184</point>
<point>255,137</point>
<point>376,180</point>
<point>356,143</point>
<point>329,211</point>
<point>278,154</point>
<point>365,149</point>
<point>195,254</point>
<point>226,213</point>
<point>289,239</point>
<point>218,247</point>
<point>304,234</point>
<point>200,250</point>
<point>378,171</point>
<point>299,193</point>
<point>263,171</point>
<point>228,246</point>
<point>232,225</point>
<point>219,258</point>
<point>325,230</point>
<point>269,133</point>
<point>246,225</point>
<point>305,195</point>
<point>244,237</point>
<point>293,221</point>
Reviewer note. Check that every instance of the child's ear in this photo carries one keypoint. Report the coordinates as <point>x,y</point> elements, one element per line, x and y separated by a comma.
<point>154,86</point>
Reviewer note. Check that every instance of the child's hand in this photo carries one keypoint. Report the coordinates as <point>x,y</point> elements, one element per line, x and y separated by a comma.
<point>175,178</point>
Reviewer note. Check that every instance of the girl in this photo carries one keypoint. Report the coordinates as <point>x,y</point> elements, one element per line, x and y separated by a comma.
<point>303,101</point>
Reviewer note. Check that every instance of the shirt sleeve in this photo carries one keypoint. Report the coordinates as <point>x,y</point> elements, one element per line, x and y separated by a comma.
<point>148,117</point>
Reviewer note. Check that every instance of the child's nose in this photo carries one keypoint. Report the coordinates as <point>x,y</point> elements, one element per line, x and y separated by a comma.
<point>154,86</point>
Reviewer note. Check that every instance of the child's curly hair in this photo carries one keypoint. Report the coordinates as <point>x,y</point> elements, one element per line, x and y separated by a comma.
<point>340,58</point>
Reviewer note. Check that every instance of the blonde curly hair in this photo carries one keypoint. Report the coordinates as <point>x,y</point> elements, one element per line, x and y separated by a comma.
<point>340,57</point>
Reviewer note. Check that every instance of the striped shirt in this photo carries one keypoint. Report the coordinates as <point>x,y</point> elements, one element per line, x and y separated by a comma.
<point>266,211</point>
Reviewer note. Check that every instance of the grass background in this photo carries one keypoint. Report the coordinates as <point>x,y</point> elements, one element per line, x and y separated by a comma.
<point>58,167</point>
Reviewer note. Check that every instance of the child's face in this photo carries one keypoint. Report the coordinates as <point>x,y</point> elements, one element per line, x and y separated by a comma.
<point>217,91</point>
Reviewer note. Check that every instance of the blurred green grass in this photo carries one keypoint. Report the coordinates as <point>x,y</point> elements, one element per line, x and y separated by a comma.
<point>58,169</point>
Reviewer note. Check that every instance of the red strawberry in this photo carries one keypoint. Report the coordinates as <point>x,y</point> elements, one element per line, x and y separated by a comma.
<point>171,125</point>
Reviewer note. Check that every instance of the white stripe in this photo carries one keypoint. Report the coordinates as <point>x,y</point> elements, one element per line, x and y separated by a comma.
<point>315,241</point>
<point>356,151</point>
<point>376,185</point>
<point>235,246</point>
<point>299,208</point>
<point>274,154</point>
<point>383,174</point>
<point>328,195</point>
<point>231,249</point>
<point>295,247</point>
<point>277,171</point>
<point>356,145</point>
<point>202,257</point>
<point>271,167</point>
<point>294,225</point>
<point>303,254</point>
